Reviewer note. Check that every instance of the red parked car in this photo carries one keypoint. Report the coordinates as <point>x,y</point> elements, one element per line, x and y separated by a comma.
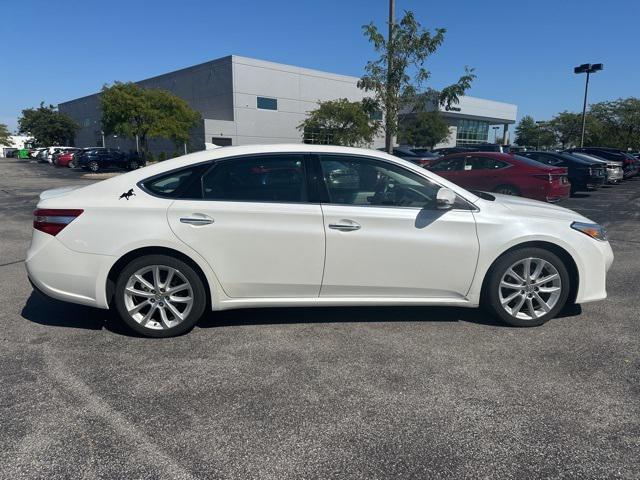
<point>504,173</point>
<point>65,159</point>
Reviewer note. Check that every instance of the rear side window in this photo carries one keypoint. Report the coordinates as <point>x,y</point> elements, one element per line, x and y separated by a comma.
<point>183,183</point>
<point>263,178</point>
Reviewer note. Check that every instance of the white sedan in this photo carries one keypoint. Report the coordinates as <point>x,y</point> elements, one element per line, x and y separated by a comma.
<point>302,225</point>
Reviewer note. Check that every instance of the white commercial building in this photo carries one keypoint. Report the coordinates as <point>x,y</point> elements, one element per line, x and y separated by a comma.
<point>247,101</point>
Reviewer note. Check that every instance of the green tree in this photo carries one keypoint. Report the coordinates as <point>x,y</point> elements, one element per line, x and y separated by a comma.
<point>131,111</point>
<point>526,131</point>
<point>530,133</point>
<point>47,126</point>
<point>398,73</point>
<point>567,127</point>
<point>341,122</point>
<point>4,135</point>
<point>423,129</point>
<point>617,123</point>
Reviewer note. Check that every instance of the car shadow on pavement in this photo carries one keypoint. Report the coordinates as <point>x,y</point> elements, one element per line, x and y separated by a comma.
<point>276,315</point>
<point>54,313</point>
<point>50,312</point>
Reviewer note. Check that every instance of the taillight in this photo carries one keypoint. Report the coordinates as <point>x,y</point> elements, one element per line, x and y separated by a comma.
<point>551,177</point>
<point>52,221</point>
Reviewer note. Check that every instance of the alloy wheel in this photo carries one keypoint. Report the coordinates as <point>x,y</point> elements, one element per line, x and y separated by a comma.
<point>158,297</point>
<point>530,288</point>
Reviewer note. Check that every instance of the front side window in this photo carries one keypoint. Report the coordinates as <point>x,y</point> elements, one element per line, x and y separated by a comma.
<point>484,163</point>
<point>263,178</point>
<point>448,165</point>
<point>266,103</point>
<point>363,181</point>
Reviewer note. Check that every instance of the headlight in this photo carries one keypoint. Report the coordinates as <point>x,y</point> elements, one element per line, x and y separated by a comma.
<point>592,229</point>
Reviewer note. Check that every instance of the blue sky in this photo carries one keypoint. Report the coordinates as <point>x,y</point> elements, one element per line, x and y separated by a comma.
<point>523,51</point>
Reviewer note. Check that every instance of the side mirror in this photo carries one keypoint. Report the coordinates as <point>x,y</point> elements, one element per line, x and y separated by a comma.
<point>445,198</point>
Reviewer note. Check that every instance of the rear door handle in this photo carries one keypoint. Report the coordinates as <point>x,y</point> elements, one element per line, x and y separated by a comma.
<point>203,220</point>
<point>347,226</point>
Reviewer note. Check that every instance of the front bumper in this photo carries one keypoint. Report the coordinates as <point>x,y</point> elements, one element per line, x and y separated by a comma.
<point>596,259</point>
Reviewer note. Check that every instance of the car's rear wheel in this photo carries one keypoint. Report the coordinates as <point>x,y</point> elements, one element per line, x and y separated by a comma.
<point>93,166</point>
<point>159,296</point>
<point>71,164</point>
<point>507,190</point>
<point>527,287</point>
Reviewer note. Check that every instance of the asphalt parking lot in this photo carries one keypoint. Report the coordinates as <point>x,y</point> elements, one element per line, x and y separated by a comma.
<point>318,393</point>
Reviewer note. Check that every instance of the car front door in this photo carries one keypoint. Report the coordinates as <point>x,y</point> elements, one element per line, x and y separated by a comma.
<point>254,226</point>
<point>386,238</point>
<point>484,173</point>
<point>452,169</point>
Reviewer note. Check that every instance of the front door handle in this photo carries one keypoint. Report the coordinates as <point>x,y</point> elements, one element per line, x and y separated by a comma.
<point>204,220</point>
<point>345,226</point>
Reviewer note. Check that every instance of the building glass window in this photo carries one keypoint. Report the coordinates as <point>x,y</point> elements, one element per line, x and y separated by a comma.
<point>265,103</point>
<point>471,132</point>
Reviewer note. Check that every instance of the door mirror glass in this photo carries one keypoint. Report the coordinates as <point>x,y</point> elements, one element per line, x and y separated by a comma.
<point>445,199</point>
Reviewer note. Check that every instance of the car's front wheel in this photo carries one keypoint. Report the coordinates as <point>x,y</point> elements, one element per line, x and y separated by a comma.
<point>159,296</point>
<point>527,287</point>
<point>93,166</point>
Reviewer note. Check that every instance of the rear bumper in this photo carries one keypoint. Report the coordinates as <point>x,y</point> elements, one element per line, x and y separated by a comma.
<point>555,193</point>
<point>66,275</point>
<point>595,182</point>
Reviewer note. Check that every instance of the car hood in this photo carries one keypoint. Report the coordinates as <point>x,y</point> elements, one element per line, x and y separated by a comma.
<point>525,207</point>
<point>58,192</point>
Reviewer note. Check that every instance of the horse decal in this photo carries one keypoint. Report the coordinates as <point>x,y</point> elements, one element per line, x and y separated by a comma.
<point>127,195</point>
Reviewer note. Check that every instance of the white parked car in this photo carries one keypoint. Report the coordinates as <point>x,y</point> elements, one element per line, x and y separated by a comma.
<point>56,149</point>
<point>302,225</point>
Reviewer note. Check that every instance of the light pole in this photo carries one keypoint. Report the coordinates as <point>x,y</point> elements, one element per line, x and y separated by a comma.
<point>587,68</point>
<point>495,134</point>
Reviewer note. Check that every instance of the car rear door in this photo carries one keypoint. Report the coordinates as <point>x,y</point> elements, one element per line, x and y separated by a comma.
<point>254,226</point>
<point>386,238</point>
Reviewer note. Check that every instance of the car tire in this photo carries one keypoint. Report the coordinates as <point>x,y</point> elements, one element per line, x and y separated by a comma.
<point>523,306</point>
<point>154,310</point>
<point>133,165</point>
<point>71,164</point>
<point>93,166</point>
<point>507,190</point>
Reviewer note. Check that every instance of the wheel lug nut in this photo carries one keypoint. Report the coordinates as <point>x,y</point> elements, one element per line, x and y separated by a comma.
<point>151,300</point>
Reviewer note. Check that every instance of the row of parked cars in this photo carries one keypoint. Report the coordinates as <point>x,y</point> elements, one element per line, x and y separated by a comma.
<point>549,176</point>
<point>92,159</point>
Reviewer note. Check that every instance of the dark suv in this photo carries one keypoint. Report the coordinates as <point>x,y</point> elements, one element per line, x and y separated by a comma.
<point>630,164</point>
<point>98,158</point>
